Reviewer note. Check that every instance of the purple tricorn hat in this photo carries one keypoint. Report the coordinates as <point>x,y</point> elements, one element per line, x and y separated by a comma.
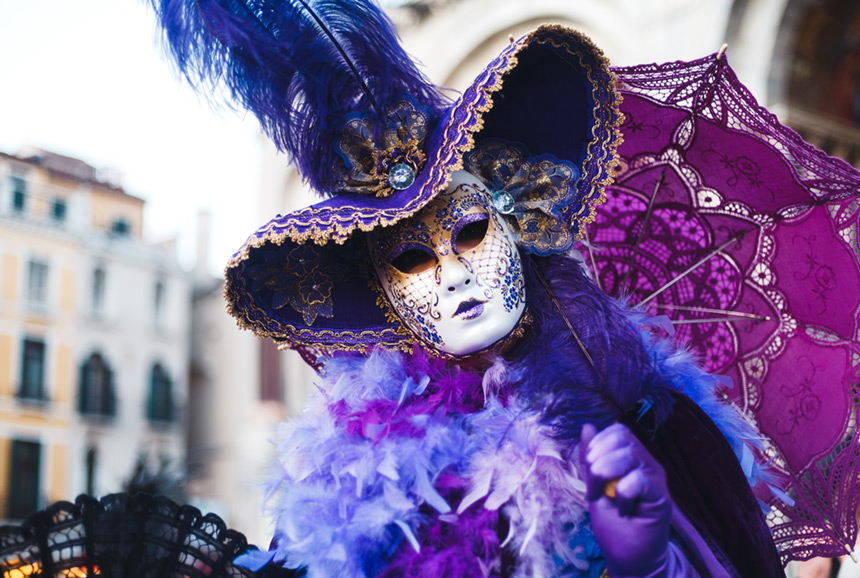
<point>332,87</point>
<point>305,278</point>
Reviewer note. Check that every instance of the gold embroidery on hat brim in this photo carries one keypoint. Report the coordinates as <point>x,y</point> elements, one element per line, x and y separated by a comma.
<point>314,337</point>
<point>610,157</point>
<point>288,336</point>
<point>322,230</point>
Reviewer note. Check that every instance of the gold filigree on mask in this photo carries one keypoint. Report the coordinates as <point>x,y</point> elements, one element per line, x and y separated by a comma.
<point>457,231</point>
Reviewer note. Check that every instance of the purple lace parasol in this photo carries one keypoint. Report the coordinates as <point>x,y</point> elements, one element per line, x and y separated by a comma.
<point>746,237</point>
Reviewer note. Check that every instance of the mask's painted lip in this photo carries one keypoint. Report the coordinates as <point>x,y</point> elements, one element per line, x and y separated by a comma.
<point>469,309</point>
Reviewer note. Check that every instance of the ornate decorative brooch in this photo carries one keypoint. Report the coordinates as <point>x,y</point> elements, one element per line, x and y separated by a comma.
<point>383,160</point>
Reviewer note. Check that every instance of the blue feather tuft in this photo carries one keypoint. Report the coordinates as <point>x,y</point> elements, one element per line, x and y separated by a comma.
<point>254,560</point>
<point>298,65</point>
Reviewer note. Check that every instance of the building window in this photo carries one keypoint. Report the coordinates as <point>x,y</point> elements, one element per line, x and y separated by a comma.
<point>24,472</point>
<point>160,395</point>
<point>95,395</point>
<point>120,227</point>
<point>58,210</point>
<point>19,194</point>
<point>32,370</point>
<point>91,461</point>
<point>37,283</point>
<point>98,290</point>
<point>158,302</point>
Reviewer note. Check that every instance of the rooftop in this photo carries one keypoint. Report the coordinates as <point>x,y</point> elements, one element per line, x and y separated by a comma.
<point>70,168</point>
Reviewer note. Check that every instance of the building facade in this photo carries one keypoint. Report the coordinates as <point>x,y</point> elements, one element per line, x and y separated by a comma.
<point>241,387</point>
<point>94,330</point>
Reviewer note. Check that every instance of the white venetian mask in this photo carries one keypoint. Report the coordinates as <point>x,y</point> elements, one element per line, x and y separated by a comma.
<point>452,272</point>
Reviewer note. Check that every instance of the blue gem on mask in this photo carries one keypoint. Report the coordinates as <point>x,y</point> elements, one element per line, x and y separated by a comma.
<point>401,176</point>
<point>503,202</point>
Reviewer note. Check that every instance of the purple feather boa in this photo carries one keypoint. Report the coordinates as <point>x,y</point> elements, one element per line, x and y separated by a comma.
<point>407,465</point>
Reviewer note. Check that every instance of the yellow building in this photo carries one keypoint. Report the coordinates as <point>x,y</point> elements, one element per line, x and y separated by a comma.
<point>93,335</point>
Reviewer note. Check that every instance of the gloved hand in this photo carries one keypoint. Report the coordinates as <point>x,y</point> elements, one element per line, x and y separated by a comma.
<point>632,529</point>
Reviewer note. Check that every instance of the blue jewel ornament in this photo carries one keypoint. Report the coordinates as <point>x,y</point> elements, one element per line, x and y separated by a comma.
<point>401,176</point>
<point>503,202</point>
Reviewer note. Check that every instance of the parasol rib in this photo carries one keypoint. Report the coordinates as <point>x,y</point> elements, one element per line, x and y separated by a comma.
<point>573,332</point>
<point>693,267</point>
<point>716,320</point>
<point>648,212</point>
<point>593,261</point>
<point>729,312</point>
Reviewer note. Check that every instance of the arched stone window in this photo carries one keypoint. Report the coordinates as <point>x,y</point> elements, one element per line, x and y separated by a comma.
<point>160,407</point>
<point>96,393</point>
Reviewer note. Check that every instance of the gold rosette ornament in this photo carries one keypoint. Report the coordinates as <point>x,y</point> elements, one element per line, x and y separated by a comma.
<point>383,160</point>
<point>536,193</point>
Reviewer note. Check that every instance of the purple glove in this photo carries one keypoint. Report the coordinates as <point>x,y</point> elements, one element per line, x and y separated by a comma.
<point>632,529</point>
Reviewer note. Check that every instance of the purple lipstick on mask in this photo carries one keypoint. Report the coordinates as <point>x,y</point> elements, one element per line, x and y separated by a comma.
<point>469,309</point>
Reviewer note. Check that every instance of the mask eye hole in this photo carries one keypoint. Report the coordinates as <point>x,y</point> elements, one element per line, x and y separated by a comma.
<point>470,231</point>
<point>412,258</point>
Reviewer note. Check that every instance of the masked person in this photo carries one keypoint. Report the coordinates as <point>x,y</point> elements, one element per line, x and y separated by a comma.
<point>484,409</point>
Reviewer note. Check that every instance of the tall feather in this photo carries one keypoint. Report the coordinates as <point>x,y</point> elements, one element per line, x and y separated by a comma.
<point>298,65</point>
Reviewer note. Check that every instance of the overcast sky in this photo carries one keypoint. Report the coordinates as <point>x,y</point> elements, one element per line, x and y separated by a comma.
<point>85,78</point>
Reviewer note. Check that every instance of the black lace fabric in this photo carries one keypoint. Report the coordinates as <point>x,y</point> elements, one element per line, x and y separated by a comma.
<point>141,536</point>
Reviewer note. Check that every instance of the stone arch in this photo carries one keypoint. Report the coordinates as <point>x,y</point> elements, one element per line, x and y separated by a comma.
<point>489,47</point>
<point>454,60</point>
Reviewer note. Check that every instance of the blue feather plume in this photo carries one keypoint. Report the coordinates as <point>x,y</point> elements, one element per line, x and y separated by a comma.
<point>298,65</point>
